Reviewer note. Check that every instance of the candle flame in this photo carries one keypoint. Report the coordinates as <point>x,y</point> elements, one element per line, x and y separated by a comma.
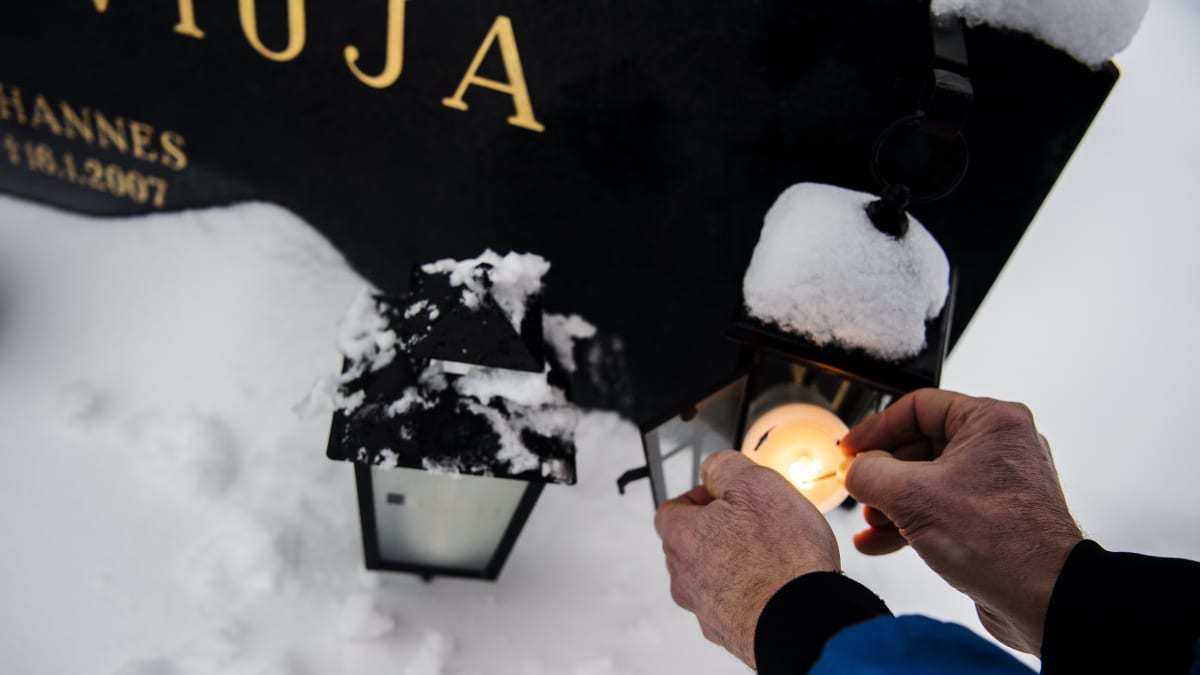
<point>804,471</point>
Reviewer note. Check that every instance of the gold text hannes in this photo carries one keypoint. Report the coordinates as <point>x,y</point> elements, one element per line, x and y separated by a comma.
<point>112,132</point>
<point>501,34</point>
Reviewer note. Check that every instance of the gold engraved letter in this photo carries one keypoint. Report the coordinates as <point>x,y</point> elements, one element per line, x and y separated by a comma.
<point>43,116</point>
<point>296,35</point>
<point>173,156</point>
<point>11,103</point>
<point>395,50</point>
<point>111,134</point>
<point>515,87</point>
<point>77,125</point>
<point>187,17</point>
<point>142,135</point>
<point>187,21</point>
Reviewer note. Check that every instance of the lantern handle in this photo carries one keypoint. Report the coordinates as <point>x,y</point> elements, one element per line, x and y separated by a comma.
<point>631,476</point>
<point>941,116</point>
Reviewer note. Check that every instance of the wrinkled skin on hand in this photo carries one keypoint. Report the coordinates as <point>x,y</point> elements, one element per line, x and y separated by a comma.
<point>734,541</point>
<point>969,483</point>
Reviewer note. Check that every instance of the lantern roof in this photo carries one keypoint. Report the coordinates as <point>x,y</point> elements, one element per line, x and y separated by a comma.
<point>441,379</point>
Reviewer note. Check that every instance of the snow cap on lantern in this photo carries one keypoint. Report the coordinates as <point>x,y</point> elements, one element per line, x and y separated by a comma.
<point>453,404</point>
<point>454,377</point>
<point>1092,32</point>
<point>822,270</point>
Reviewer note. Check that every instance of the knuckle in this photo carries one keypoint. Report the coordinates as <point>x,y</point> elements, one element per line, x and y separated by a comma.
<point>714,461</point>
<point>660,522</point>
<point>1013,415</point>
<point>1008,424</point>
<point>754,490</point>
<point>678,595</point>
<point>674,541</point>
<point>672,546</point>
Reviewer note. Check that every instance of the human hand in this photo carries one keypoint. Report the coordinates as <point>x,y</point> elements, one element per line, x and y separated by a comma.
<point>734,541</point>
<point>970,484</point>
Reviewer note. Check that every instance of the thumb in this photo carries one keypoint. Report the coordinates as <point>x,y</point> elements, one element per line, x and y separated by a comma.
<point>877,478</point>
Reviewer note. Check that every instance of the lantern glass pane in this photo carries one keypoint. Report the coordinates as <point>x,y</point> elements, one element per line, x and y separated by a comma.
<point>442,520</point>
<point>676,449</point>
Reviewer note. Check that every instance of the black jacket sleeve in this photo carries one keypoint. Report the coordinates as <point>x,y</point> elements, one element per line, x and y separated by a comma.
<point>804,614</point>
<point>1122,613</point>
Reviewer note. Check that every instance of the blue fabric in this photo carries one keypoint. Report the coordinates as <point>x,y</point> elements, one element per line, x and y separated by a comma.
<point>909,645</point>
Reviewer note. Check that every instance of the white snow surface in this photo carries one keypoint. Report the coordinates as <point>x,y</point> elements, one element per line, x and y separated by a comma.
<point>1092,31</point>
<point>514,277</point>
<point>822,270</point>
<point>123,337</point>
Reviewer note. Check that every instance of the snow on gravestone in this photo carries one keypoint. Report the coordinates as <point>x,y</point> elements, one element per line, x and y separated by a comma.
<point>1092,31</point>
<point>822,270</point>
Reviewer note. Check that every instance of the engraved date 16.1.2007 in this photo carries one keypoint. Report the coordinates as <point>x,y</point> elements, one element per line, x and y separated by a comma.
<point>110,178</point>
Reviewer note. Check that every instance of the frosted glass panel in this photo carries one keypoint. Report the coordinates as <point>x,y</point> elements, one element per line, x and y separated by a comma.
<point>441,520</point>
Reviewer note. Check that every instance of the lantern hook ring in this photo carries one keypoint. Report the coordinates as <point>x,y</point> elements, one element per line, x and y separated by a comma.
<point>946,159</point>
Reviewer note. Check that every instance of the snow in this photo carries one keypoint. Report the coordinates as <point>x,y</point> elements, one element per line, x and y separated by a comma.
<point>562,332</point>
<point>363,619</point>
<point>822,270</point>
<point>410,398</point>
<point>363,334</point>
<point>514,277</point>
<point>108,570</point>
<point>529,390</point>
<point>531,403</point>
<point>512,402</point>
<point>185,455</point>
<point>1092,31</point>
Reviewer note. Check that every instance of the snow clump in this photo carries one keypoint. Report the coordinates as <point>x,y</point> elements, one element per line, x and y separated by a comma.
<point>562,332</point>
<point>363,334</point>
<point>514,277</point>
<point>823,271</point>
<point>1092,31</point>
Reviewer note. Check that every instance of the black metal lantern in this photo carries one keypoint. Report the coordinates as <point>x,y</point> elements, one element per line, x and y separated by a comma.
<point>780,369</point>
<point>449,462</point>
<point>440,525</point>
<point>789,384</point>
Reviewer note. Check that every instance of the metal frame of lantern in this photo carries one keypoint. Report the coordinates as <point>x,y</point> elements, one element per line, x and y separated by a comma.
<point>851,384</point>
<point>375,553</point>
<point>434,497</point>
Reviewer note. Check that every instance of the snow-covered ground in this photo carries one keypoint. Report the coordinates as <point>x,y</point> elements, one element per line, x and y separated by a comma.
<point>165,512</point>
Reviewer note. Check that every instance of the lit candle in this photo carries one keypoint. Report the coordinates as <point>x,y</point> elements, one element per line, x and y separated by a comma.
<point>800,441</point>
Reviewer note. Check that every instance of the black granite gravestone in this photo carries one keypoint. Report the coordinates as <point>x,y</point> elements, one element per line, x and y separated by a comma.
<point>635,145</point>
